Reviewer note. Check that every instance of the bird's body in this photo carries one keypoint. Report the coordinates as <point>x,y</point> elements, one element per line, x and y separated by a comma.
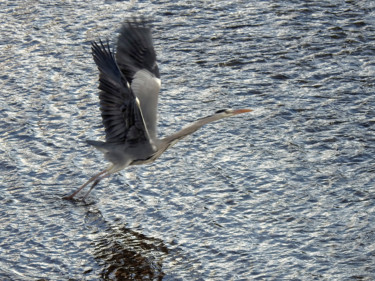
<point>130,84</point>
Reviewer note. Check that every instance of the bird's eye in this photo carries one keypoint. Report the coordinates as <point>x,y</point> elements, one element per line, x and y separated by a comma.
<point>221,111</point>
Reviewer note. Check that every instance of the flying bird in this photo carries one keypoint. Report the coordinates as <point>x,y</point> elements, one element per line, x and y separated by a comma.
<point>129,84</point>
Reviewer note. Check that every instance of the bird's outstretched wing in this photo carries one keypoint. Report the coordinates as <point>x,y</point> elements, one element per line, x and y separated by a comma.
<point>122,117</point>
<point>136,59</point>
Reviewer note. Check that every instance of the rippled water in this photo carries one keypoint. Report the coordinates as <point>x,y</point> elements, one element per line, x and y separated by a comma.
<point>283,193</point>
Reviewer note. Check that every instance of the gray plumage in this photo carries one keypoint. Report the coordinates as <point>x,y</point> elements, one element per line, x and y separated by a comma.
<point>129,84</point>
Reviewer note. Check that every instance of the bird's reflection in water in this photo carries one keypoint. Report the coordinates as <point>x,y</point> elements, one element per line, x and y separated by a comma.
<point>129,255</point>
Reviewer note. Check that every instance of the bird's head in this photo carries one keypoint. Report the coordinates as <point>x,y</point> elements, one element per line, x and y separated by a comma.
<point>231,112</point>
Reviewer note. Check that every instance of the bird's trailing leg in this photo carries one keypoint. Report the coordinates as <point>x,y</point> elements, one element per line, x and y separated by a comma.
<point>95,178</point>
<point>95,183</point>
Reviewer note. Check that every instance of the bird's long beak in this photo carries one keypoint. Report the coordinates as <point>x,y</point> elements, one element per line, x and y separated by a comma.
<point>239,111</point>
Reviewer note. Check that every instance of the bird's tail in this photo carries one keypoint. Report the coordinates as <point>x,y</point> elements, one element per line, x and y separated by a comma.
<point>100,145</point>
<point>113,153</point>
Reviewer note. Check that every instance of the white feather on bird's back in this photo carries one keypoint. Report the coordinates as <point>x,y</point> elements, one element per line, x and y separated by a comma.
<point>146,87</point>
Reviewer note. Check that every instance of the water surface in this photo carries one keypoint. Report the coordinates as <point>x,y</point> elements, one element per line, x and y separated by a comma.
<point>283,193</point>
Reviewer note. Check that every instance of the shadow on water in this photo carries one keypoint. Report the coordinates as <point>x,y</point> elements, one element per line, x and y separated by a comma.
<point>126,254</point>
<point>120,253</point>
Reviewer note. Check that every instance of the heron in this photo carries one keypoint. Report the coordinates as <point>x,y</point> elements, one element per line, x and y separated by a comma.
<point>129,84</point>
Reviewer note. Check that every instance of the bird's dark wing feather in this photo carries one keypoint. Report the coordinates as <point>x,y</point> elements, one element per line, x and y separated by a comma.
<point>122,117</point>
<point>135,50</point>
<point>136,59</point>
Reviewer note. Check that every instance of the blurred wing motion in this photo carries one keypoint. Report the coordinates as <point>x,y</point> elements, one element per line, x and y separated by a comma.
<point>121,113</point>
<point>136,59</point>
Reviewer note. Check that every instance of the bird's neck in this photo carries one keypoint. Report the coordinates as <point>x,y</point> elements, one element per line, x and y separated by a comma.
<point>171,140</point>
